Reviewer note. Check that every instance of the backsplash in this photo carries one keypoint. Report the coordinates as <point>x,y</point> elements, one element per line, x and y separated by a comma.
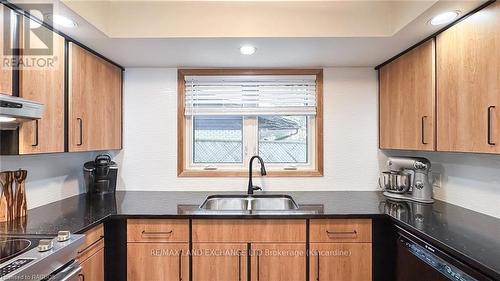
<point>149,158</point>
<point>51,177</point>
<point>468,180</point>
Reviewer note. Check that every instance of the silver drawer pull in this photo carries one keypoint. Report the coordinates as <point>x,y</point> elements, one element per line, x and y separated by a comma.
<point>342,233</point>
<point>90,245</point>
<point>490,135</point>
<point>157,233</point>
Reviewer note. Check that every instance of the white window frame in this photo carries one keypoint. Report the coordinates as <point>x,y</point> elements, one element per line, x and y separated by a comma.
<point>186,166</point>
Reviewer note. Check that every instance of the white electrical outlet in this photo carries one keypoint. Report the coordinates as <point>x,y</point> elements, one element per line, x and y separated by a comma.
<point>436,180</point>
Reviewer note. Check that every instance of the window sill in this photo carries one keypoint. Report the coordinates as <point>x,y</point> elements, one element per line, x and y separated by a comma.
<point>199,173</point>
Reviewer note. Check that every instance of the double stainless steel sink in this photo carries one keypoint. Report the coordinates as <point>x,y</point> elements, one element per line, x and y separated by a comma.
<point>249,203</point>
<point>268,204</point>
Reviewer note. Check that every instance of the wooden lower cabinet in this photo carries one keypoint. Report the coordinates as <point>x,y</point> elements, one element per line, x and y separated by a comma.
<point>226,250</point>
<point>93,267</point>
<point>341,262</point>
<point>220,262</point>
<point>278,262</point>
<point>91,255</point>
<point>157,261</point>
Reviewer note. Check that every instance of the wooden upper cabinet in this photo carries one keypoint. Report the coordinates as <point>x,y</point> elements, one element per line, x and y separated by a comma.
<point>468,84</point>
<point>5,71</point>
<point>95,102</point>
<point>44,84</point>
<point>407,100</point>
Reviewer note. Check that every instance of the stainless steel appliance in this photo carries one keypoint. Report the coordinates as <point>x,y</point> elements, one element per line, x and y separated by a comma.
<point>407,179</point>
<point>40,257</point>
<point>417,260</point>
<point>100,175</point>
<point>15,110</point>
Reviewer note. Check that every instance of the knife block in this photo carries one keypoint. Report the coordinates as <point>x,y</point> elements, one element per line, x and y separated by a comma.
<point>12,200</point>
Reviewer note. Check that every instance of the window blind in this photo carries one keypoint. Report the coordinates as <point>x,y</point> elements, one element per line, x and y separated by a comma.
<point>250,95</point>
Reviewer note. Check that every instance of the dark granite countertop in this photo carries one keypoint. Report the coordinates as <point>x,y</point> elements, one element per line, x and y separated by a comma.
<point>470,236</point>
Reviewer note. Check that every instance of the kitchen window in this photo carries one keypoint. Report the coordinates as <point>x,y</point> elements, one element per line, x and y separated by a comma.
<point>226,116</point>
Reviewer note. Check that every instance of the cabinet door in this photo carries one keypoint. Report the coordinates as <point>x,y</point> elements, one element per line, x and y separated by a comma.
<point>341,262</point>
<point>93,267</point>
<point>95,106</point>
<point>468,84</point>
<point>407,100</point>
<point>46,85</point>
<point>219,262</point>
<point>157,261</point>
<point>278,262</point>
<point>5,70</point>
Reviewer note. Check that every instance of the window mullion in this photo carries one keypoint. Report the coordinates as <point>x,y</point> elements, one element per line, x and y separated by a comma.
<point>250,137</point>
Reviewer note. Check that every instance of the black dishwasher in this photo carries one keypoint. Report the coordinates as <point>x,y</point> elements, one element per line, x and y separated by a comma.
<point>418,261</point>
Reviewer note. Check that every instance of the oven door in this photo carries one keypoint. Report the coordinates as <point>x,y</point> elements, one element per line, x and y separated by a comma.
<point>68,273</point>
<point>417,261</point>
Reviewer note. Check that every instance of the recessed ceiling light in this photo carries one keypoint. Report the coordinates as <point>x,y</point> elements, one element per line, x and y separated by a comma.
<point>5,119</point>
<point>247,50</point>
<point>63,21</point>
<point>445,17</point>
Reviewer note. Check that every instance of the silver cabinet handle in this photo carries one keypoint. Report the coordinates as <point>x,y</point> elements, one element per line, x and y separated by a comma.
<point>333,233</point>
<point>317,266</point>
<point>490,115</point>
<point>239,265</point>
<point>80,125</point>
<point>423,129</point>
<point>157,233</point>
<point>258,267</point>
<point>180,265</point>
<point>90,246</point>
<point>35,134</point>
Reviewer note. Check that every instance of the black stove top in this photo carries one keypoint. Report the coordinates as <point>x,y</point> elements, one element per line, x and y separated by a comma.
<point>14,245</point>
<point>11,247</point>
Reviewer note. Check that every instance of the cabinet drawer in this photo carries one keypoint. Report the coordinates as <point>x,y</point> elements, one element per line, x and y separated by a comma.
<point>157,230</point>
<point>157,262</point>
<point>341,230</point>
<point>94,241</point>
<point>93,267</point>
<point>341,261</point>
<point>249,230</point>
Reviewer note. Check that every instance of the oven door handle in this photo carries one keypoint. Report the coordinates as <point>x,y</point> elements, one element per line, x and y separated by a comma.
<point>68,274</point>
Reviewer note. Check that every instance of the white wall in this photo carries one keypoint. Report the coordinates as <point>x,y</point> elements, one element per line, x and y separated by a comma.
<point>51,177</point>
<point>149,158</point>
<point>468,180</point>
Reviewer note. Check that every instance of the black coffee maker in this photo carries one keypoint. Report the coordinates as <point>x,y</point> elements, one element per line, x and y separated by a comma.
<point>100,175</point>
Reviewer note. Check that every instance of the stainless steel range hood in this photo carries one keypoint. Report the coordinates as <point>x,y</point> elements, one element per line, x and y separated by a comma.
<point>15,110</point>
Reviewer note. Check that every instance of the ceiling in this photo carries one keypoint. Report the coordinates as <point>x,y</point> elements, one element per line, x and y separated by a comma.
<point>184,33</point>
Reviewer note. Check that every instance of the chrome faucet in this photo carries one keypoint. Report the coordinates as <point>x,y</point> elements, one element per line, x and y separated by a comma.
<point>251,187</point>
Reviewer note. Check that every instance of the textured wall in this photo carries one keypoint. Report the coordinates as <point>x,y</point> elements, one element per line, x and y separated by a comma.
<point>468,180</point>
<point>149,158</point>
<point>51,177</point>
